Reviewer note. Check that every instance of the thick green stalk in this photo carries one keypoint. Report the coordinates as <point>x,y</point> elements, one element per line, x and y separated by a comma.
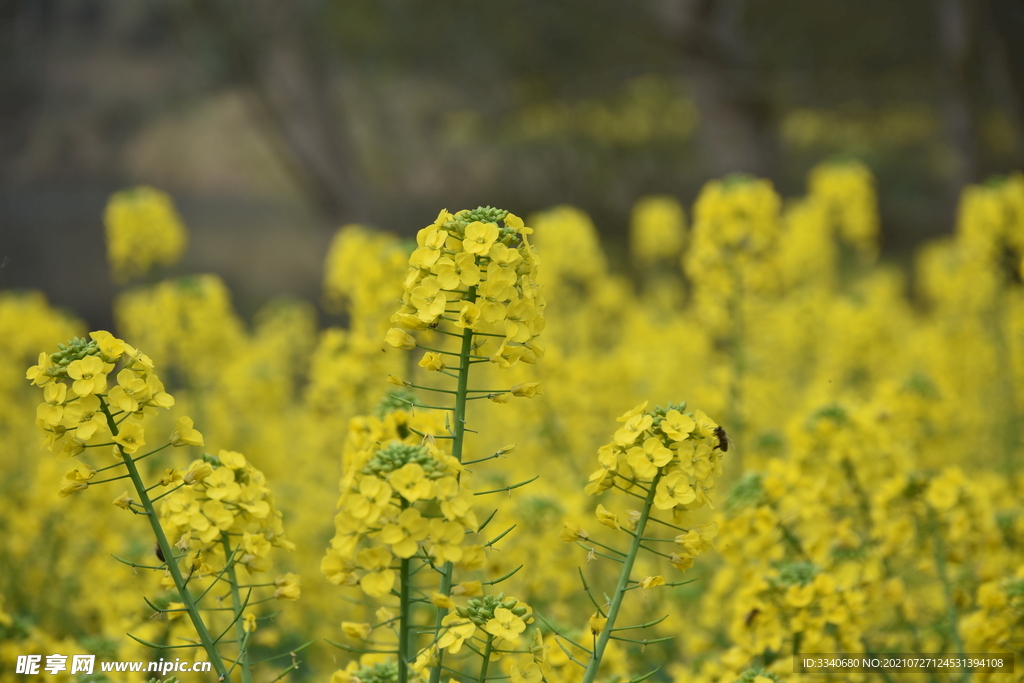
<point>1010,423</point>
<point>404,614</point>
<point>940,562</point>
<point>462,389</point>
<point>168,552</point>
<point>236,604</point>
<point>623,585</point>
<point>487,659</point>
<point>404,608</point>
<point>461,393</point>
<point>736,348</point>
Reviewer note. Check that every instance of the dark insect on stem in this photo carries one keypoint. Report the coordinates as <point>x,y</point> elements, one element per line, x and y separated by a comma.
<point>160,554</point>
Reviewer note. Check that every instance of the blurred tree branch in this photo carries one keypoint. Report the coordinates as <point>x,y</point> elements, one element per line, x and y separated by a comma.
<point>21,50</point>
<point>958,37</point>
<point>734,109</point>
<point>267,48</point>
<point>1007,18</point>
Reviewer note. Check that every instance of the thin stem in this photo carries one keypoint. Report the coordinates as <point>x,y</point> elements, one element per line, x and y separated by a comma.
<point>661,521</point>
<point>489,457</point>
<point>166,549</point>
<point>592,550</point>
<point>359,650</point>
<point>793,541</point>
<point>646,625</point>
<point>502,578</point>
<point>104,481</point>
<point>635,495</point>
<point>459,434</point>
<point>167,493</point>
<point>499,536</point>
<point>607,547</point>
<point>236,602</point>
<point>292,653</point>
<point>623,584</point>
<point>465,346</point>
<point>589,594</point>
<point>508,488</point>
<point>645,642</point>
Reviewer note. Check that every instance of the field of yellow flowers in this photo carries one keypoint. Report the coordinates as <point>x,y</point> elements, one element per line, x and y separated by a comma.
<point>526,459</point>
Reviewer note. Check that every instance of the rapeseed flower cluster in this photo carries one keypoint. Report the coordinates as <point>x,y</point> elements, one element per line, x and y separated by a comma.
<point>143,231</point>
<point>669,459</point>
<point>79,410</point>
<point>486,273</point>
<point>657,231</point>
<point>224,497</point>
<point>405,501</point>
<point>380,519</point>
<point>202,506</point>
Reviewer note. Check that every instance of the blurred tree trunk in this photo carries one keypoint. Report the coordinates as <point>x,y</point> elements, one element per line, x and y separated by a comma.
<point>958,36</point>
<point>23,39</point>
<point>734,110</point>
<point>269,50</point>
<point>1007,20</point>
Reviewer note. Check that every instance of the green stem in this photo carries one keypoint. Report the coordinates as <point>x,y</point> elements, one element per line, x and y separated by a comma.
<point>738,364</point>
<point>461,392</point>
<point>622,588</point>
<point>487,659</point>
<point>404,614</point>
<point>168,551</point>
<point>940,561</point>
<point>236,603</point>
<point>1010,423</point>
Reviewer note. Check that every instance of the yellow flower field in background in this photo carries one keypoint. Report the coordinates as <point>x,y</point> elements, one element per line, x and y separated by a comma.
<point>815,452</point>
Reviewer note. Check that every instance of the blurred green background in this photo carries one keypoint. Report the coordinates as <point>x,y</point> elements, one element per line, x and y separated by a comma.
<point>273,123</point>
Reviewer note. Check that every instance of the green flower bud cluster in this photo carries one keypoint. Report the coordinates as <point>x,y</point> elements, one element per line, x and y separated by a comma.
<point>796,573</point>
<point>397,399</point>
<point>484,214</point>
<point>659,412</point>
<point>539,511</point>
<point>748,491</point>
<point>734,180</point>
<point>834,413</point>
<point>397,454</point>
<point>481,610</point>
<point>849,554</point>
<point>916,486</point>
<point>384,672</point>
<point>749,675</point>
<point>75,349</point>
